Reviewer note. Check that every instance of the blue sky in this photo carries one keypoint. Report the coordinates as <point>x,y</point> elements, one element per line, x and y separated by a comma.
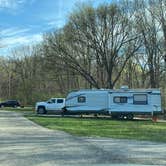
<point>22,22</point>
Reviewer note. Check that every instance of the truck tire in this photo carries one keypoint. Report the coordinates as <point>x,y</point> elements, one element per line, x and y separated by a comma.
<point>2,106</point>
<point>130,116</point>
<point>41,110</point>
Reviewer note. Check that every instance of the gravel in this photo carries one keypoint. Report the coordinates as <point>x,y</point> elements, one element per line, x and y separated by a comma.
<point>24,143</point>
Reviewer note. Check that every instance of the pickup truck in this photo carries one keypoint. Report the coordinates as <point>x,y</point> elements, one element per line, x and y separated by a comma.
<point>53,105</point>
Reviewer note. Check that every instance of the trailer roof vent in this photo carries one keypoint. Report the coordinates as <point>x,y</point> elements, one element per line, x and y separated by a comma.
<point>124,87</point>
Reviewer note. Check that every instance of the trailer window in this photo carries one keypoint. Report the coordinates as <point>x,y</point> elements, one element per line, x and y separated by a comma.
<point>81,99</point>
<point>120,99</point>
<point>140,99</point>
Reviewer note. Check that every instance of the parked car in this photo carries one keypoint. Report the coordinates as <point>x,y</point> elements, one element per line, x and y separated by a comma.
<point>53,105</point>
<point>10,103</point>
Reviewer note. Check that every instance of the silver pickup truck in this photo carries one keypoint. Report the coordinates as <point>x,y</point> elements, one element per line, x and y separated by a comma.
<point>53,105</point>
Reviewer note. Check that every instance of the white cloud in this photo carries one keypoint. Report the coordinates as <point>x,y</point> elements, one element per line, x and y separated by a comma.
<point>10,43</point>
<point>13,31</point>
<point>11,4</point>
<point>23,40</point>
<point>58,23</point>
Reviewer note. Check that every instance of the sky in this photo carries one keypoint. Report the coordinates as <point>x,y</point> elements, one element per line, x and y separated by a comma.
<point>23,22</point>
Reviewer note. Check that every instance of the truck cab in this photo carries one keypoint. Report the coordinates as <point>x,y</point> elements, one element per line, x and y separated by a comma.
<point>53,105</point>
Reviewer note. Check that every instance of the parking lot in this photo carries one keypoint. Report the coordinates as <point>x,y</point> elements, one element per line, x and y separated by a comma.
<point>24,143</point>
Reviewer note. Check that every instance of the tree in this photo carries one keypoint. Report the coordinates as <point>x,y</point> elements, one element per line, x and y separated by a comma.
<point>28,71</point>
<point>95,37</point>
<point>149,28</point>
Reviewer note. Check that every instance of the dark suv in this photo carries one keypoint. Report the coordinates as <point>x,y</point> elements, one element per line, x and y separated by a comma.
<point>10,103</point>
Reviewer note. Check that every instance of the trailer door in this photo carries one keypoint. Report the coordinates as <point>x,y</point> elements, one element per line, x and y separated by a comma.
<point>156,102</point>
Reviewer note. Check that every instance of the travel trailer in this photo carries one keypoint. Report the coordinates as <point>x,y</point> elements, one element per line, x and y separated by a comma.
<point>120,103</point>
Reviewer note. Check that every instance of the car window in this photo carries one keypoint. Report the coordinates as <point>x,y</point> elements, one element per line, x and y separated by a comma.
<point>9,101</point>
<point>53,100</point>
<point>59,100</point>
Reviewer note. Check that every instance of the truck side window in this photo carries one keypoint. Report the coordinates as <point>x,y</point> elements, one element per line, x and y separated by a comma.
<point>120,99</point>
<point>59,100</point>
<point>81,99</point>
<point>53,100</point>
<point>140,99</point>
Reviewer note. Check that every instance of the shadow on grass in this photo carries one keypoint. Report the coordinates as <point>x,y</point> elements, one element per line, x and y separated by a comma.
<point>85,117</point>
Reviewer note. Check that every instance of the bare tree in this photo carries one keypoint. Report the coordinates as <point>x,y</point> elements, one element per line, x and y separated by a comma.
<point>149,28</point>
<point>95,37</point>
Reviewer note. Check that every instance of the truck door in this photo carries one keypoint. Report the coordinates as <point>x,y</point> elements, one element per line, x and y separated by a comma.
<point>60,104</point>
<point>51,104</point>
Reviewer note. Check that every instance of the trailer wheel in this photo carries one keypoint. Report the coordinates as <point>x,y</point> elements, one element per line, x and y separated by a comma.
<point>130,116</point>
<point>121,117</point>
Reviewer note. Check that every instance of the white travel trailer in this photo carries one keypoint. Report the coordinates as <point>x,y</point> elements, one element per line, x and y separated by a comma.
<point>120,103</point>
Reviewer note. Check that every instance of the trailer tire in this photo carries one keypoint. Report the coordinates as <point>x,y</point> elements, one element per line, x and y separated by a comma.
<point>130,117</point>
<point>121,116</point>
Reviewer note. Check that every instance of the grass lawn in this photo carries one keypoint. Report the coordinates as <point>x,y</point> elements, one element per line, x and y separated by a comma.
<point>137,129</point>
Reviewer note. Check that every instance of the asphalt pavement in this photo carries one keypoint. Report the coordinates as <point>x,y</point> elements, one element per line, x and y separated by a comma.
<point>24,143</point>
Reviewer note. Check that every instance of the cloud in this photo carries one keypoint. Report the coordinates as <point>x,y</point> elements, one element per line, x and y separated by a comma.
<point>23,40</point>
<point>11,4</point>
<point>58,23</point>
<point>13,42</point>
<point>18,36</point>
<point>13,31</point>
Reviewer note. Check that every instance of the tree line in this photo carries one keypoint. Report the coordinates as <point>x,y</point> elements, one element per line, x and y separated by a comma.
<point>99,47</point>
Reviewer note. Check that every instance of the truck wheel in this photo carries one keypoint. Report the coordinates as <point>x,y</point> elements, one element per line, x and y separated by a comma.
<point>2,106</point>
<point>41,110</point>
<point>130,116</point>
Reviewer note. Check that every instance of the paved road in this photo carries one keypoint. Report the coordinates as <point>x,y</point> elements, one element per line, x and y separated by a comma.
<point>23,143</point>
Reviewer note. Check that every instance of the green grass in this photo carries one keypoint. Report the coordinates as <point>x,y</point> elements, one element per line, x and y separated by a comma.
<point>137,129</point>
